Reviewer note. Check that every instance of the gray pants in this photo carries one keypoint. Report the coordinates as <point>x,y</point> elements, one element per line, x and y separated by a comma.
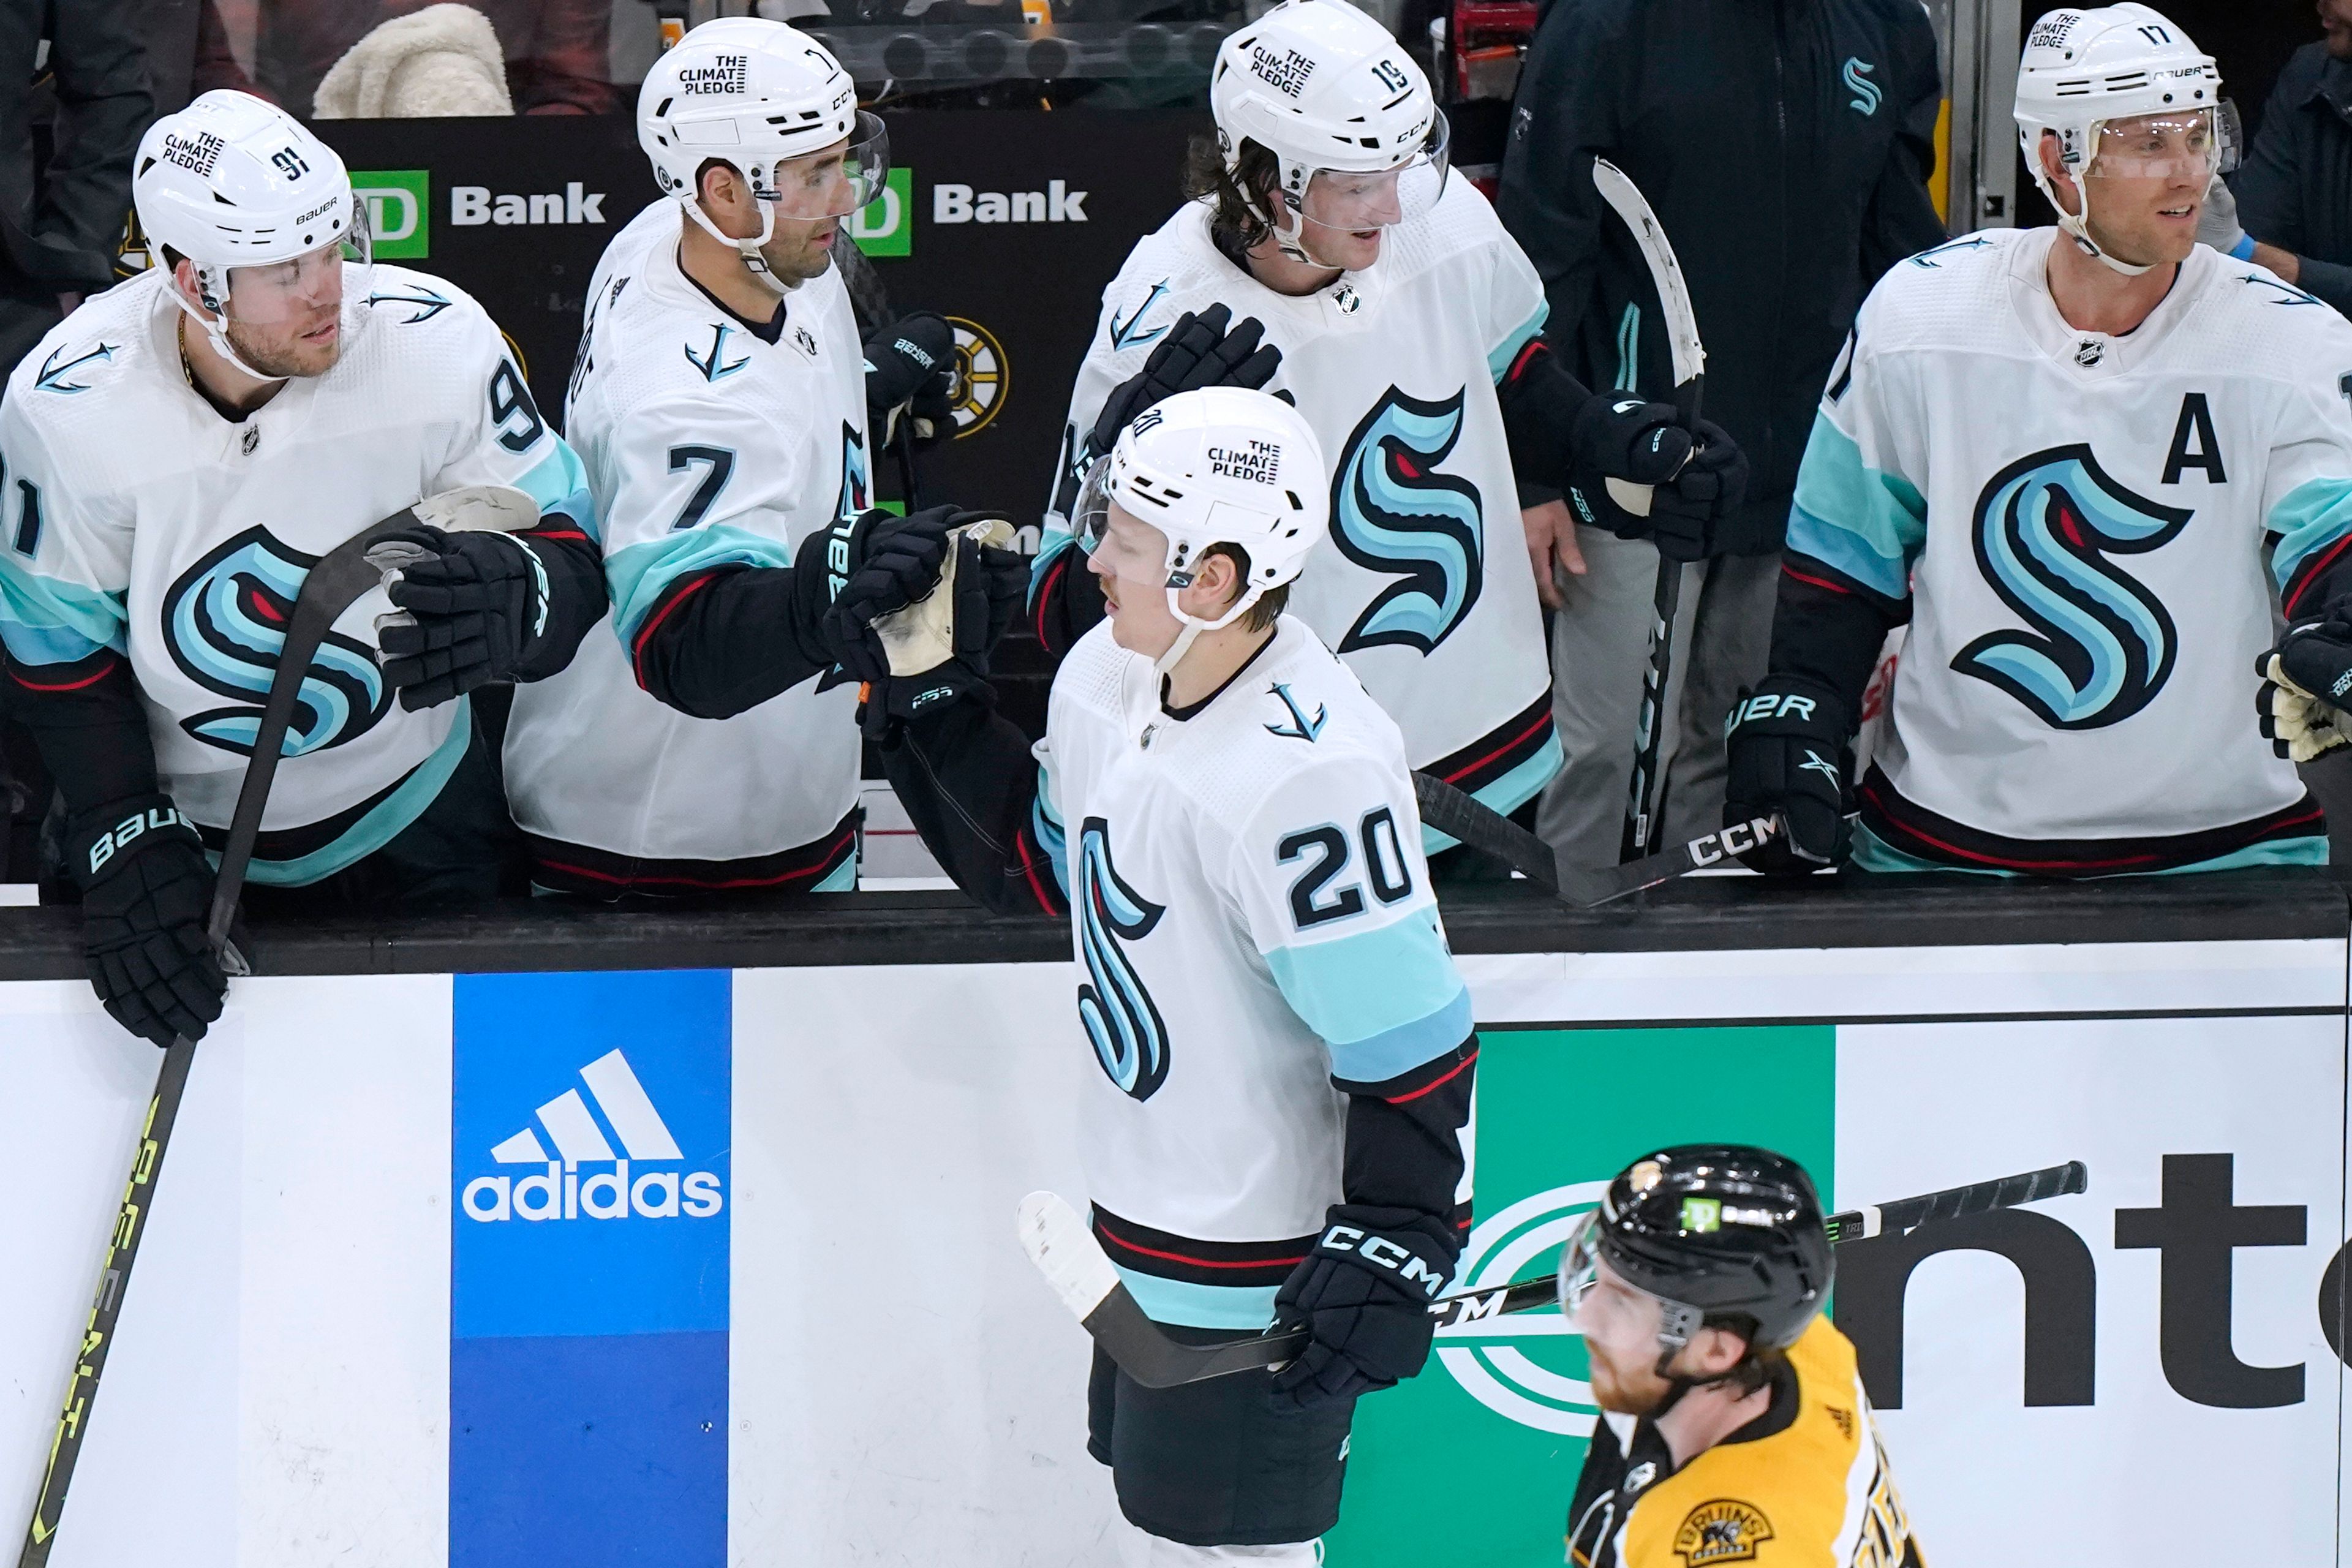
<point>1600,655</point>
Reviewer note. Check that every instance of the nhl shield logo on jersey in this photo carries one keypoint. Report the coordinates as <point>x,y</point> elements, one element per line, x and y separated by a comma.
<point>225,622</point>
<point>2102,646</point>
<point>1130,1038</point>
<point>1721,1532</point>
<point>1393,513</point>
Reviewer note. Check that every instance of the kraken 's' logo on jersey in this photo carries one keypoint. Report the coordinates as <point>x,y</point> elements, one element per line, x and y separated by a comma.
<point>1392,512</point>
<point>224,621</point>
<point>1119,1014</point>
<point>2101,647</point>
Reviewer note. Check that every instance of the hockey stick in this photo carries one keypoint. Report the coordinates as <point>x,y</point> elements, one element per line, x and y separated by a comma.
<point>1689,359</point>
<point>330,588</point>
<point>1073,1263</point>
<point>1467,818</point>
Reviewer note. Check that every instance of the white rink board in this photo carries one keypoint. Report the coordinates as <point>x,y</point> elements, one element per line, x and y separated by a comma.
<point>902,1390</point>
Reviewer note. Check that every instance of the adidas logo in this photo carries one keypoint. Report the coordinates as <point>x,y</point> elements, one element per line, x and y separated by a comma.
<point>559,1193</point>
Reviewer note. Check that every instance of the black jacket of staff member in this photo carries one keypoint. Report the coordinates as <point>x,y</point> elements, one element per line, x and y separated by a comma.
<point>65,191</point>
<point>2296,189</point>
<point>1785,145</point>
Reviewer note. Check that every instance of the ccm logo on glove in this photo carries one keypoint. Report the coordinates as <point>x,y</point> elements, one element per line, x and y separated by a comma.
<point>137,824</point>
<point>1386,1254</point>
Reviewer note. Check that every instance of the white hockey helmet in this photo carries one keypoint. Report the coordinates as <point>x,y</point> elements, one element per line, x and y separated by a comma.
<point>241,187</point>
<point>1223,465</point>
<point>2084,71</point>
<point>756,95</point>
<point>1330,94</point>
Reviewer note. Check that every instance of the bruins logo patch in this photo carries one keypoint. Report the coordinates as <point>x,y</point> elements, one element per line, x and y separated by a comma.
<point>1721,1532</point>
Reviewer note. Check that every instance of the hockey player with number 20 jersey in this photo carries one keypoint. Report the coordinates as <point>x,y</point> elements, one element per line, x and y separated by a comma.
<point>1285,1045</point>
<point>2066,456</point>
<point>1409,327</point>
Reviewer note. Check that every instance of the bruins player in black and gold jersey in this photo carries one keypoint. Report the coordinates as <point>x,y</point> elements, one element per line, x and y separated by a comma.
<point>1736,1429</point>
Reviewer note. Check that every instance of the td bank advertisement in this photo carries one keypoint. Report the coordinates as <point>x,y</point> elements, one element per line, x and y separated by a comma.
<point>716,1269</point>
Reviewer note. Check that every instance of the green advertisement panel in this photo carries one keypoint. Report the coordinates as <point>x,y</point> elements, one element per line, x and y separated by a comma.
<point>886,225</point>
<point>400,210</point>
<point>1474,1460</point>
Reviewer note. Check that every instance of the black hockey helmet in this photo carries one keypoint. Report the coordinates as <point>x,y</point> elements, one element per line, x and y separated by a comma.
<point>1711,1230</point>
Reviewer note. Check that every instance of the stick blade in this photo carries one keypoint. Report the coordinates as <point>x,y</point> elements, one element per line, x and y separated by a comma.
<point>484,509</point>
<point>1065,1252</point>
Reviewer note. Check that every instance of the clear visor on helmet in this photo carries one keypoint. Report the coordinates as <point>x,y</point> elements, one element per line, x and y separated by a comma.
<point>2189,144</point>
<point>1601,1305</point>
<point>1137,554</point>
<point>277,293</point>
<point>834,183</point>
<point>1353,201</point>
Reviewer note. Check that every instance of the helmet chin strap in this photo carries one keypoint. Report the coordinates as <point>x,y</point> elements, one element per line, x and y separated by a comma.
<point>2076,226</point>
<point>748,248</point>
<point>215,325</point>
<point>1178,580</point>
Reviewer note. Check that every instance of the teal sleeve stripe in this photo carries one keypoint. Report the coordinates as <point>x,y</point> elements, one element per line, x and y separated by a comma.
<point>1051,542</point>
<point>1406,1046</point>
<point>1515,339</point>
<point>1378,997</point>
<point>2308,518</point>
<point>640,575</point>
<point>1248,1308</point>
<point>1867,523</point>
<point>33,647</point>
<point>1048,830</point>
<point>53,613</point>
<point>558,483</point>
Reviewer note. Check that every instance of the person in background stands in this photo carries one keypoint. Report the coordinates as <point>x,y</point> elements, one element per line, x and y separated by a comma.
<point>1785,145</point>
<point>2289,208</point>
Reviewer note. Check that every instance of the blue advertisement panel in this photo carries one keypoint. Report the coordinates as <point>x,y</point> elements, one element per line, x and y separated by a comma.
<point>589,1270</point>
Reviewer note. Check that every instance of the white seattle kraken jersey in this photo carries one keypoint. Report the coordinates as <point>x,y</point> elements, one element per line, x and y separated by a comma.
<point>141,520</point>
<point>2080,521</point>
<point>705,447</point>
<point>1252,917</point>
<point>1424,587</point>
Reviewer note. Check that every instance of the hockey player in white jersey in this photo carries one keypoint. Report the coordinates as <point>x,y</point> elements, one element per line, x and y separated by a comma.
<point>182,449</point>
<point>2065,457</point>
<point>1409,325</point>
<point>720,402</point>
<point>1286,1046</point>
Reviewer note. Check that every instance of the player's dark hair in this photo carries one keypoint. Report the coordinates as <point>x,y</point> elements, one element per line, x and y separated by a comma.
<point>1758,1365</point>
<point>1206,178</point>
<point>1269,604</point>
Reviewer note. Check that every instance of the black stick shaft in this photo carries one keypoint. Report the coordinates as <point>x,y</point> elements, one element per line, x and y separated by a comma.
<point>329,589</point>
<point>106,1306</point>
<point>1649,726</point>
<point>1906,1214</point>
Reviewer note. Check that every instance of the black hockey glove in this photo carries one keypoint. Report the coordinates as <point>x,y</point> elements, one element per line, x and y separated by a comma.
<point>2306,681</point>
<point>1364,1294</point>
<point>872,564</point>
<point>910,373</point>
<point>146,889</point>
<point>1789,753</point>
<point>1204,350</point>
<point>990,585</point>
<point>1643,443</point>
<point>477,606</point>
